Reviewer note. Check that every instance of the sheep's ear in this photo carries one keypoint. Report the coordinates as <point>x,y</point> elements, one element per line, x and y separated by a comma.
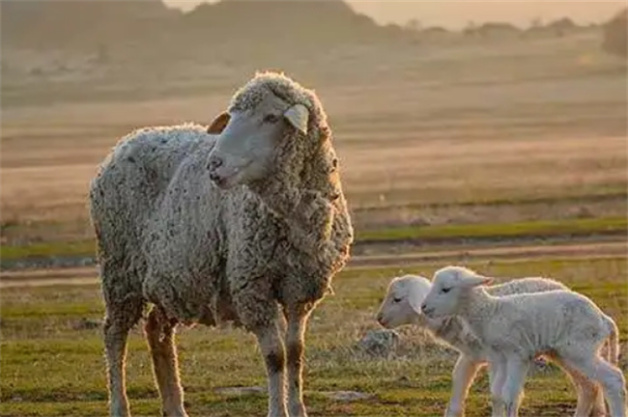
<point>415,304</point>
<point>298,116</point>
<point>476,280</point>
<point>219,124</point>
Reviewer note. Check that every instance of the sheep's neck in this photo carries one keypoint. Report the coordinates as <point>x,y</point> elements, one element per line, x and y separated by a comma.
<point>476,306</point>
<point>307,219</point>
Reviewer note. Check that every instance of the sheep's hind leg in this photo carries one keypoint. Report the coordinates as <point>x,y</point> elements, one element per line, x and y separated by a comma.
<point>590,396</point>
<point>160,334</point>
<point>118,323</point>
<point>609,377</point>
<point>295,335</point>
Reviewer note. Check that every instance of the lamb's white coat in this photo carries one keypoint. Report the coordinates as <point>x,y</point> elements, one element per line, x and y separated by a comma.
<point>401,306</point>
<point>516,328</point>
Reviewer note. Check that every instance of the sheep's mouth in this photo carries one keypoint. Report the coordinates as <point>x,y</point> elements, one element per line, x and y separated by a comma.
<point>229,179</point>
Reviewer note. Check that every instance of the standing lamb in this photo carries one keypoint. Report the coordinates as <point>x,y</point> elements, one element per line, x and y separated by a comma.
<point>402,306</point>
<point>516,328</point>
<point>243,222</point>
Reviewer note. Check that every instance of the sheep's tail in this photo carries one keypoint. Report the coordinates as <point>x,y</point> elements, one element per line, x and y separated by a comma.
<point>612,353</point>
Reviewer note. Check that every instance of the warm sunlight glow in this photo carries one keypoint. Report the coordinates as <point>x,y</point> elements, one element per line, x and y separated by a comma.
<point>457,13</point>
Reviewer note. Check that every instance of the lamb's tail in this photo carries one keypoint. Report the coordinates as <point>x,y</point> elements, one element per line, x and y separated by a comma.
<point>612,353</point>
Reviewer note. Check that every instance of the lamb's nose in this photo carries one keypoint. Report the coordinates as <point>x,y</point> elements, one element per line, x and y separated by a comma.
<point>424,309</point>
<point>379,318</point>
<point>214,162</point>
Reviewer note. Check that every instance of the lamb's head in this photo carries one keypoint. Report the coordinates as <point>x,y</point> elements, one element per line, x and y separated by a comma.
<point>268,117</point>
<point>402,304</point>
<point>451,286</point>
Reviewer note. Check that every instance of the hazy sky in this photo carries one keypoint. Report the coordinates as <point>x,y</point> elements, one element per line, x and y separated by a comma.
<point>457,13</point>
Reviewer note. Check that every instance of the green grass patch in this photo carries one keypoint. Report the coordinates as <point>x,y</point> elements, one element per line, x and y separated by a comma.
<point>48,249</point>
<point>574,227</point>
<point>51,367</point>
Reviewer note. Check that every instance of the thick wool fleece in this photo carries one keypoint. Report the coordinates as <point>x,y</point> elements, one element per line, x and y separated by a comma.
<point>167,235</point>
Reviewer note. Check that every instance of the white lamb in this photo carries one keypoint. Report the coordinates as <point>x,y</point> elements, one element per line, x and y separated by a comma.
<point>402,306</point>
<point>517,328</point>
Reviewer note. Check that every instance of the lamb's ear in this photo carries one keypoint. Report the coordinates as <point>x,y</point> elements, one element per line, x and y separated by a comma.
<point>417,294</point>
<point>476,280</point>
<point>415,304</point>
<point>219,124</point>
<point>298,116</point>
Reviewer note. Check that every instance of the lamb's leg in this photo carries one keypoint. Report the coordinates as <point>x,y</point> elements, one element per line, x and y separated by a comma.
<point>497,377</point>
<point>272,348</point>
<point>516,372</point>
<point>608,376</point>
<point>590,396</point>
<point>462,377</point>
<point>159,333</point>
<point>599,406</point>
<point>297,321</point>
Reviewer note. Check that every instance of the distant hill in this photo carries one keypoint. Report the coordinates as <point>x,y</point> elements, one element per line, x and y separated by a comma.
<point>41,24</point>
<point>148,25</point>
<point>616,34</point>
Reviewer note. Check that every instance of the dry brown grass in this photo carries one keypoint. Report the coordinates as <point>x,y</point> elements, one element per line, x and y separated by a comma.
<point>507,122</point>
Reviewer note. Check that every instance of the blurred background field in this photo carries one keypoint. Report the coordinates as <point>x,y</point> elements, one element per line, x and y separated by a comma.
<point>505,137</point>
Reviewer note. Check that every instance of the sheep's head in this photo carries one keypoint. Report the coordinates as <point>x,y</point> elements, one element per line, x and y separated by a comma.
<point>402,304</point>
<point>450,286</point>
<point>267,112</point>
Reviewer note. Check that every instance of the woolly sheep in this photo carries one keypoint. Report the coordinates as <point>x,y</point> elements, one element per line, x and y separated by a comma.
<point>402,306</point>
<point>516,328</point>
<point>262,239</point>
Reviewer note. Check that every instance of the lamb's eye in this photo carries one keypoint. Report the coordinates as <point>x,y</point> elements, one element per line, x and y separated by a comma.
<point>397,299</point>
<point>445,290</point>
<point>271,118</point>
<point>334,164</point>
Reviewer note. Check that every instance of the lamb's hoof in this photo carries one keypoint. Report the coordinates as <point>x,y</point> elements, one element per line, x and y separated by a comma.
<point>298,412</point>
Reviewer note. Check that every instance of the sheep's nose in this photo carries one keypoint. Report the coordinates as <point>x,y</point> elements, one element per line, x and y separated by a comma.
<point>214,162</point>
<point>379,318</point>
<point>425,310</point>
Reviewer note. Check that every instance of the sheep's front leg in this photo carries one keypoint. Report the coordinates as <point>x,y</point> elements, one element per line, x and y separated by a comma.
<point>272,348</point>
<point>497,376</point>
<point>462,377</point>
<point>297,321</point>
<point>516,372</point>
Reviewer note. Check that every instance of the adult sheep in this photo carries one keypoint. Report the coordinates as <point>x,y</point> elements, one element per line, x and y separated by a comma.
<point>402,306</point>
<point>243,221</point>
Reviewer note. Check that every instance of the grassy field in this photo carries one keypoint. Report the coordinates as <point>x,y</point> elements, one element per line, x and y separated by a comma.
<point>53,366</point>
<point>499,141</point>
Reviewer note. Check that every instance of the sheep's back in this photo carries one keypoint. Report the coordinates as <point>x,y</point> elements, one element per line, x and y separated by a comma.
<point>132,181</point>
<point>524,286</point>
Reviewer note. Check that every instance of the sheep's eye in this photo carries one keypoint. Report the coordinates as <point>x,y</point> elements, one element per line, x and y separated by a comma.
<point>334,196</point>
<point>271,118</point>
<point>445,290</point>
<point>334,164</point>
<point>397,299</point>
